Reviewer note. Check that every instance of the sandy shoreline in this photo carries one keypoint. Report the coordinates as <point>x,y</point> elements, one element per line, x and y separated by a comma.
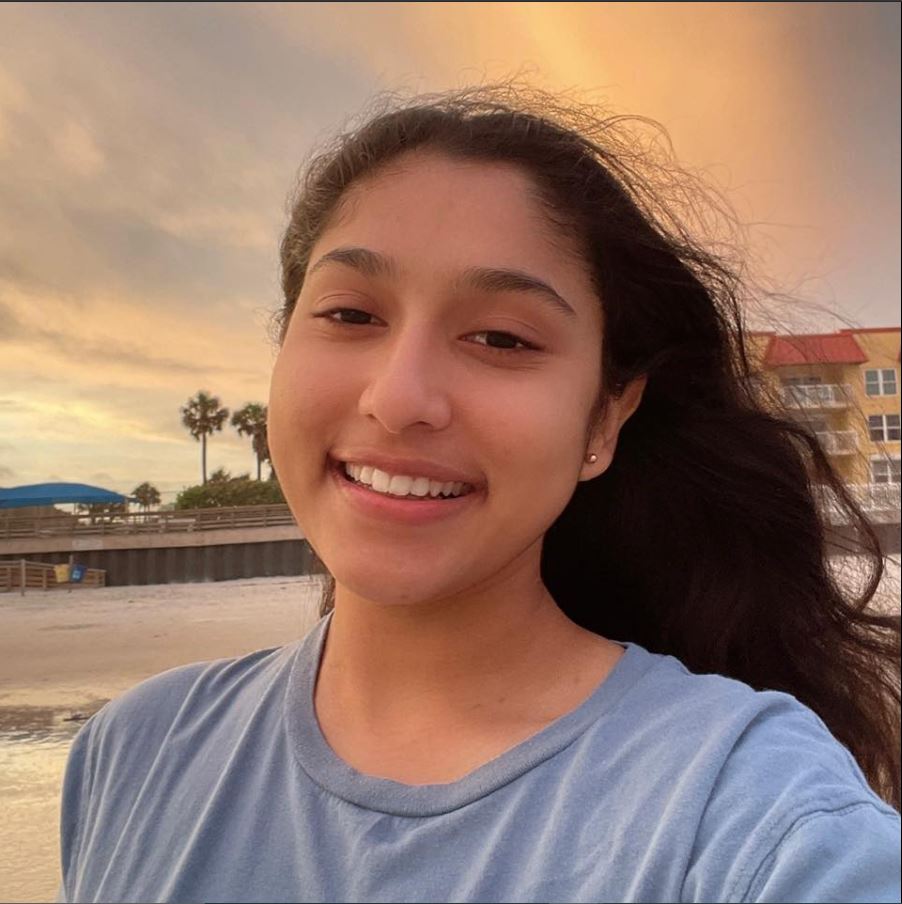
<point>68,649</point>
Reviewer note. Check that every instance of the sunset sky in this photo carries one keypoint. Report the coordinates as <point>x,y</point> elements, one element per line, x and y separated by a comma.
<point>147,152</point>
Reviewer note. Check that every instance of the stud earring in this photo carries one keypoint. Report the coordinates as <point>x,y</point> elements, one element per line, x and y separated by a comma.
<point>591,458</point>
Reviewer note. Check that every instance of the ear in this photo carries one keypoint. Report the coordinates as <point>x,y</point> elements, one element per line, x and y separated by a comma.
<point>603,441</point>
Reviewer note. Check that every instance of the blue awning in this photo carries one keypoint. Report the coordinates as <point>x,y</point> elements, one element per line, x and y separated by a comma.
<point>50,493</point>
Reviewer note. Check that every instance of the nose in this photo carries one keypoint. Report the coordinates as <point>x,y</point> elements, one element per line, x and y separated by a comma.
<point>407,382</point>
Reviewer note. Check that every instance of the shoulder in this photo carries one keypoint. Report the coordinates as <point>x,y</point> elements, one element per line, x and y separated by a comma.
<point>180,695</point>
<point>744,732</point>
<point>171,721</point>
<point>781,809</point>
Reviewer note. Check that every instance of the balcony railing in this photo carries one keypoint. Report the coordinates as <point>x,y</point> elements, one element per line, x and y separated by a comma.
<point>880,501</point>
<point>879,496</point>
<point>817,395</point>
<point>838,442</point>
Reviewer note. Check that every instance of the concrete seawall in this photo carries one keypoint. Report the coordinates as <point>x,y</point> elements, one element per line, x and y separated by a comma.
<point>185,556</point>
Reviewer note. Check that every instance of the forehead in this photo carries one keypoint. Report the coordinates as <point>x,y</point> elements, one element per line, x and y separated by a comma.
<point>430,212</point>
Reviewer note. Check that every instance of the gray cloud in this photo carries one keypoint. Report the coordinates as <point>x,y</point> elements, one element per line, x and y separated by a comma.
<point>162,157</point>
<point>12,329</point>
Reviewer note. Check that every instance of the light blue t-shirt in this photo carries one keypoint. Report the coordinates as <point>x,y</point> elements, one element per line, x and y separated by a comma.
<point>213,782</point>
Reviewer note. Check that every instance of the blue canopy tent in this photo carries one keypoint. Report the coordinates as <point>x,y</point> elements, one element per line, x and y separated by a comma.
<point>50,493</point>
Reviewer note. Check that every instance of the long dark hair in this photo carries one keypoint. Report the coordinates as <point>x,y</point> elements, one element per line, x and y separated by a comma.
<point>706,538</point>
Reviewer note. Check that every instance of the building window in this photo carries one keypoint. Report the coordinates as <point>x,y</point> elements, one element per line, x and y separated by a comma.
<point>886,470</point>
<point>880,382</point>
<point>883,428</point>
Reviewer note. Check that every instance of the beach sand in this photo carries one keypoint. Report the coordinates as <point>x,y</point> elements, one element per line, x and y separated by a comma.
<point>61,648</point>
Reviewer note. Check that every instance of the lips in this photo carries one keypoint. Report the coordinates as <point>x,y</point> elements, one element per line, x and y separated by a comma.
<point>380,508</point>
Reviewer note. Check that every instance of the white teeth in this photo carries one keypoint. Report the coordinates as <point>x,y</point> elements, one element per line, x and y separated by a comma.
<point>400,486</point>
<point>403,485</point>
<point>420,486</point>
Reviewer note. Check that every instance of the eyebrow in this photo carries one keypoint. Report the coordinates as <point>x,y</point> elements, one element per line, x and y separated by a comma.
<point>481,279</point>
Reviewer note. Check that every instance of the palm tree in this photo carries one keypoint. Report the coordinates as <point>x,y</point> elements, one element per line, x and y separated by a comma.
<point>251,421</point>
<point>147,495</point>
<point>202,415</point>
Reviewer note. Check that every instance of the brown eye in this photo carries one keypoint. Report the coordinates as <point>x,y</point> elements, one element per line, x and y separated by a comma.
<point>508,341</point>
<point>353,311</point>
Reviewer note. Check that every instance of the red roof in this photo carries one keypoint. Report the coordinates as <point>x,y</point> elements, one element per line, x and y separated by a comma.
<point>831,348</point>
<point>878,329</point>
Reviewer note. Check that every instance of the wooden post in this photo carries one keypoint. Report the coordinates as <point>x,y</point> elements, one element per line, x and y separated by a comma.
<point>22,577</point>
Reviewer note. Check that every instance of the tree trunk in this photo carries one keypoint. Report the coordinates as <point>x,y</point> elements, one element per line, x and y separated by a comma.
<point>203,457</point>
<point>258,468</point>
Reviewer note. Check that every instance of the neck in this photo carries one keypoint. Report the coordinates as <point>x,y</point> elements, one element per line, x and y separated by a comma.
<point>506,648</point>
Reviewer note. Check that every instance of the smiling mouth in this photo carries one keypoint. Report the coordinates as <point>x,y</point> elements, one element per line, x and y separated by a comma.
<point>434,494</point>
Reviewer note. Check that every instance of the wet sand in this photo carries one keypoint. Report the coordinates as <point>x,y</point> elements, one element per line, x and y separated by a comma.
<point>64,648</point>
<point>64,654</point>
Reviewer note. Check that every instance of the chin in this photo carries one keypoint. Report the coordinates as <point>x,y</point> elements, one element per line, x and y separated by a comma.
<point>392,587</point>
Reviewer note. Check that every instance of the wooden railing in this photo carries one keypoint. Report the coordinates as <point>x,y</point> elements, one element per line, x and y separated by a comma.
<point>22,575</point>
<point>61,524</point>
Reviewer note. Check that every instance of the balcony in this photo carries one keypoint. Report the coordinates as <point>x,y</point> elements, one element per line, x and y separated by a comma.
<point>881,497</point>
<point>880,501</point>
<point>817,395</point>
<point>838,442</point>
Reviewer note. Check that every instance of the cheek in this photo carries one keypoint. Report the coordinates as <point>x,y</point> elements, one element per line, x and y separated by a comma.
<point>536,424</point>
<point>303,400</point>
<point>533,442</point>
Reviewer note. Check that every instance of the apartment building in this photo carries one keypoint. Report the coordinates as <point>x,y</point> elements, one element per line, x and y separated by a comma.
<point>845,387</point>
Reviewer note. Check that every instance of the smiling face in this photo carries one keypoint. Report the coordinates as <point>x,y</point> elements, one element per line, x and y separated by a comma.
<point>441,320</point>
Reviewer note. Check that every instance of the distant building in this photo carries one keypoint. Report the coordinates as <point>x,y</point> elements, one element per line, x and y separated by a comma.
<point>845,387</point>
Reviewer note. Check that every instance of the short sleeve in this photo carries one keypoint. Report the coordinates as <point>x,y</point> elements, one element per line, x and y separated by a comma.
<point>846,855</point>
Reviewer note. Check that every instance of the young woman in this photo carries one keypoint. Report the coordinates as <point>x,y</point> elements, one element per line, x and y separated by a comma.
<point>581,642</point>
